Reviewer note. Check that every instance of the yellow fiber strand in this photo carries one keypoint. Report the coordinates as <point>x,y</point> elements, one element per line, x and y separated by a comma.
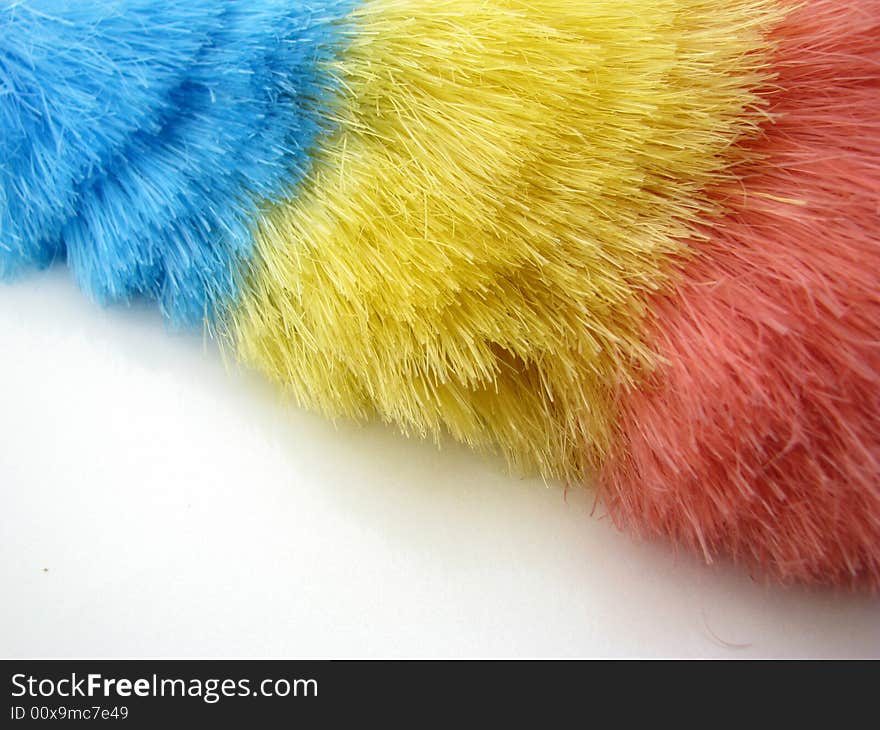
<point>472,249</point>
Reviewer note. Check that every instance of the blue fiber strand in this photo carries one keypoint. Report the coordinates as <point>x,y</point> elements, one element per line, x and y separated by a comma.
<point>139,138</point>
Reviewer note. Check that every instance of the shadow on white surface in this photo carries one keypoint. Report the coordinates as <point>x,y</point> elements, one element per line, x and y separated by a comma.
<point>156,504</point>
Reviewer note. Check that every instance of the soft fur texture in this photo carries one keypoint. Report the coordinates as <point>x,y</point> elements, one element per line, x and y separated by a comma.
<point>76,81</point>
<point>472,249</point>
<point>140,136</point>
<point>759,436</point>
<point>633,238</point>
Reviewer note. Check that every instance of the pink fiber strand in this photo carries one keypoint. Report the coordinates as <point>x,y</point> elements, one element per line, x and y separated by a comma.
<point>759,435</point>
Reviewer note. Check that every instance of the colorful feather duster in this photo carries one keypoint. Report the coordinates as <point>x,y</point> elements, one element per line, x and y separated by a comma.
<point>630,244</point>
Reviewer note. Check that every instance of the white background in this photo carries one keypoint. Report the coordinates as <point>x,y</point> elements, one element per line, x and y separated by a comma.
<point>156,502</point>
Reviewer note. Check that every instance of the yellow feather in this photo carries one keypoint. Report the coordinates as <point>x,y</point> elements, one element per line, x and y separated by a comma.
<point>472,251</point>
